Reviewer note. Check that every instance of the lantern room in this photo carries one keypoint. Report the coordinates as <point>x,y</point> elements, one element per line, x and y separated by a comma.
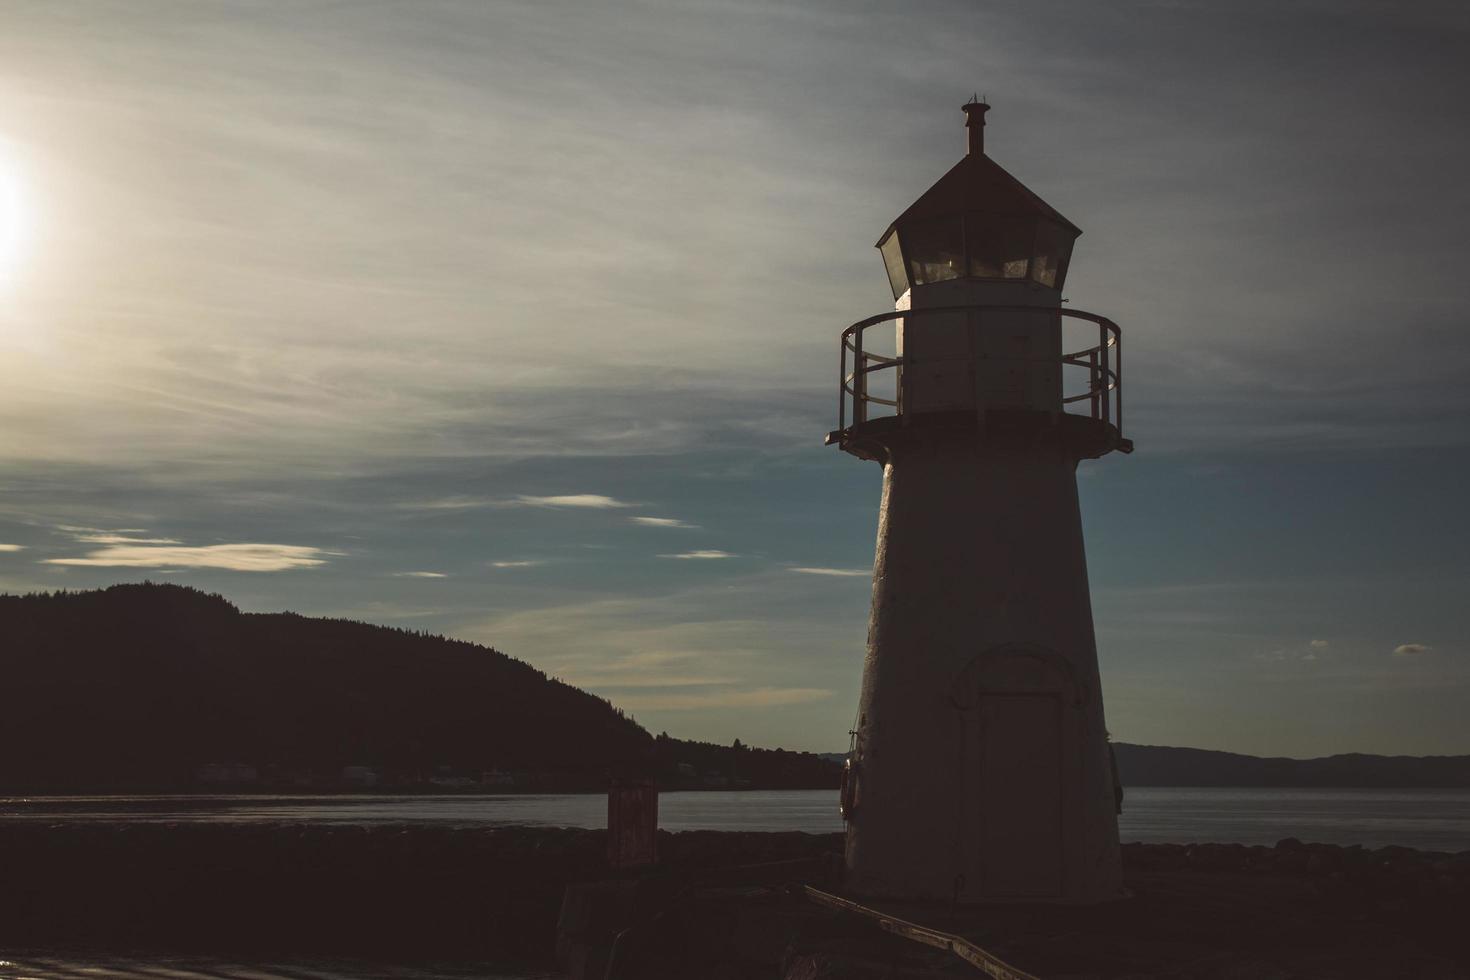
<point>978,223</point>
<point>977,265</point>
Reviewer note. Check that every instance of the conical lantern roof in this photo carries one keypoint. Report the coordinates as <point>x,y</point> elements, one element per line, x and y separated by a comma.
<point>979,184</point>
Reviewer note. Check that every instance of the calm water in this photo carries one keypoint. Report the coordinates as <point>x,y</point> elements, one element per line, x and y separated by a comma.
<point>1428,819</point>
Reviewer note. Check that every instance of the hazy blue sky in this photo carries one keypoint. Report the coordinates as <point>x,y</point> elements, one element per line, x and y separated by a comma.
<point>518,321</point>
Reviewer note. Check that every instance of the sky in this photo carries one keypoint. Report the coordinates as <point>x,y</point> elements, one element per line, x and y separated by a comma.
<point>519,322</point>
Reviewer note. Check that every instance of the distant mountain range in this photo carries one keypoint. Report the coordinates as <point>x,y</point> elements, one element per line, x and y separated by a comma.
<point>1162,765</point>
<point>1157,765</point>
<point>161,687</point>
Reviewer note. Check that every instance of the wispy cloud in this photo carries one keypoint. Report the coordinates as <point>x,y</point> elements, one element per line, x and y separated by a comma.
<point>148,377</point>
<point>835,572</point>
<point>1411,649</point>
<point>661,522</point>
<point>122,539</point>
<point>585,501</point>
<point>447,503</point>
<point>522,563</point>
<point>652,669</point>
<point>379,611</point>
<point>614,682</point>
<point>1320,644</point>
<point>114,536</point>
<point>743,644</point>
<point>591,501</point>
<point>761,697</point>
<point>419,575</point>
<point>708,553</point>
<point>12,547</point>
<point>232,557</point>
<point>1286,655</point>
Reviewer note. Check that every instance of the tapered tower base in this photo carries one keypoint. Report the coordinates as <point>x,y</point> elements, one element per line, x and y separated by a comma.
<point>982,768</point>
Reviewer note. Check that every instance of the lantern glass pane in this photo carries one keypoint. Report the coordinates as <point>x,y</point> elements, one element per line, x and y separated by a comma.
<point>936,250</point>
<point>999,246</point>
<point>1051,244</point>
<point>893,263</point>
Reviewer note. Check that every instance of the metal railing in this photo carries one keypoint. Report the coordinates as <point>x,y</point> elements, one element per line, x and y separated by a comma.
<point>1102,362</point>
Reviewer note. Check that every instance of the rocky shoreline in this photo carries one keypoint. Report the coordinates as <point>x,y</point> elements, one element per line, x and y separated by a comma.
<point>494,894</point>
<point>1387,876</point>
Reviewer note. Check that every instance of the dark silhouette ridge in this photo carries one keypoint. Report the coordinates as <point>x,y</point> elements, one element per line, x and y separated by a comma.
<point>1158,765</point>
<point>147,687</point>
<point>1166,765</point>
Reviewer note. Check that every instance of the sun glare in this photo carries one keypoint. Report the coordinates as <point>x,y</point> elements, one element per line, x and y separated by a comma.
<point>15,219</point>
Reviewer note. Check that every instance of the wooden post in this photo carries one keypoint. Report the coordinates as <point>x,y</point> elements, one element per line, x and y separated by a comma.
<point>632,823</point>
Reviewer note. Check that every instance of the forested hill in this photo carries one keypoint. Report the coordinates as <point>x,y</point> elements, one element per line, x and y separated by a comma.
<point>1158,765</point>
<point>148,686</point>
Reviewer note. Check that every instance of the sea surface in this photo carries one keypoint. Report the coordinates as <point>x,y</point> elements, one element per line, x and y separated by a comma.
<point>1437,820</point>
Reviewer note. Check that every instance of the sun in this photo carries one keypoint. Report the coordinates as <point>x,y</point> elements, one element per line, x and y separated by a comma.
<point>15,218</point>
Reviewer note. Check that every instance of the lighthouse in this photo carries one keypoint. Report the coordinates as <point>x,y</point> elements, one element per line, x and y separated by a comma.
<point>980,769</point>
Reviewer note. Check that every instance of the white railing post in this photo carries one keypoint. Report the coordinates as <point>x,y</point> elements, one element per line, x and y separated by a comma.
<point>1119,369</point>
<point>842,385</point>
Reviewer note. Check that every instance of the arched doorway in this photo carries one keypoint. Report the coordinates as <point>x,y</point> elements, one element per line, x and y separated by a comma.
<point>1018,703</point>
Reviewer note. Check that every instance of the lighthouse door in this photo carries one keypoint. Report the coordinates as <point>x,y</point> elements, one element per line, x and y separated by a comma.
<point>1020,799</point>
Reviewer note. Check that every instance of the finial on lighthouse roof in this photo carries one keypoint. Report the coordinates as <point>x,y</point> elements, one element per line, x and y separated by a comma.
<point>975,111</point>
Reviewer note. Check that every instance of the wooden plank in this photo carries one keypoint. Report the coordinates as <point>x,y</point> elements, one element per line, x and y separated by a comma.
<point>988,963</point>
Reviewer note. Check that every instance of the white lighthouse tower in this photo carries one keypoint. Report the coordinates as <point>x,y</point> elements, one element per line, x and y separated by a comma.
<point>980,768</point>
